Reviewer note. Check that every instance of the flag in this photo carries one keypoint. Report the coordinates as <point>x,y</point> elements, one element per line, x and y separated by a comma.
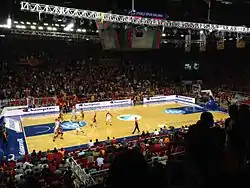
<point>188,42</point>
<point>220,44</point>
<point>203,42</point>
<point>240,43</point>
<point>220,41</point>
<point>29,61</point>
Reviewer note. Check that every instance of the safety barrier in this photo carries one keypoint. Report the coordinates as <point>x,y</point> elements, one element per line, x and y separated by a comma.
<point>25,111</point>
<point>45,101</point>
<point>104,104</point>
<point>177,98</point>
<point>84,179</point>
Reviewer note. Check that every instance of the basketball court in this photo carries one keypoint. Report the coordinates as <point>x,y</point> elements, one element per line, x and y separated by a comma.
<point>38,130</point>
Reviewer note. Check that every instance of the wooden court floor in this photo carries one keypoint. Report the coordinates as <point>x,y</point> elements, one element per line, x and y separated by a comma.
<point>152,117</point>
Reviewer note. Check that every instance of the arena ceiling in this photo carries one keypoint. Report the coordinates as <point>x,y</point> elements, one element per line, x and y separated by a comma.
<point>234,12</point>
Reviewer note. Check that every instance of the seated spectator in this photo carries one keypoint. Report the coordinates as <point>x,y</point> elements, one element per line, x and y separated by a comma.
<point>161,131</point>
<point>89,155</point>
<point>108,141</point>
<point>113,140</point>
<point>81,153</point>
<point>90,144</point>
<point>96,142</point>
<point>100,161</point>
<point>156,132</point>
<point>143,134</point>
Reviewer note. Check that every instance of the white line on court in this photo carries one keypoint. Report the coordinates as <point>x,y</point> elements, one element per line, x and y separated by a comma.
<point>24,134</point>
<point>46,127</point>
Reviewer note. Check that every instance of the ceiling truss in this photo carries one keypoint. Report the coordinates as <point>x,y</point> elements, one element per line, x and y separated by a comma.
<point>116,18</point>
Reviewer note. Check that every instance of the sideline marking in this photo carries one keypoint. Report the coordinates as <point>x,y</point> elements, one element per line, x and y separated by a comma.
<point>24,134</point>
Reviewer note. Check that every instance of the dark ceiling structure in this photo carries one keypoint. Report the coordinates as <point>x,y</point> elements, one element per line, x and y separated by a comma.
<point>225,12</point>
<point>229,12</point>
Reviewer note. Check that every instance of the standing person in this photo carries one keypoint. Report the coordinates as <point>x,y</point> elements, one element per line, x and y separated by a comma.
<point>60,116</point>
<point>73,114</point>
<point>78,128</point>
<point>4,136</point>
<point>94,121</point>
<point>136,126</point>
<point>109,118</point>
<point>82,115</point>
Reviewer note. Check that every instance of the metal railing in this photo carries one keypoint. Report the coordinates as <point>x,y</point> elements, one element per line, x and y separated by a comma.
<point>45,101</point>
<point>82,177</point>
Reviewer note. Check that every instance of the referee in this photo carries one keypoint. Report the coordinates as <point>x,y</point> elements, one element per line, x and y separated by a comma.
<point>136,126</point>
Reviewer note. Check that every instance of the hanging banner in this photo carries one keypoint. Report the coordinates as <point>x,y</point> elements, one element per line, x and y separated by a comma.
<point>220,41</point>
<point>188,42</point>
<point>203,42</point>
<point>240,42</point>
<point>108,35</point>
<point>146,38</point>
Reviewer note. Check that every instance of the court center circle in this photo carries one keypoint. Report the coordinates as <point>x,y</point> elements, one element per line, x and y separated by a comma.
<point>70,125</point>
<point>128,117</point>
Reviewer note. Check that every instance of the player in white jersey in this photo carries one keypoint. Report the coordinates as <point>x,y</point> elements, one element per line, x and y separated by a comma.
<point>57,124</point>
<point>73,118</point>
<point>109,119</point>
<point>57,131</point>
<point>78,128</point>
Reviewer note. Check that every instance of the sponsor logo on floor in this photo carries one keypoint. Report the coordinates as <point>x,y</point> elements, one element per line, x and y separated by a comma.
<point>70,125</point>
<point>129,117</point>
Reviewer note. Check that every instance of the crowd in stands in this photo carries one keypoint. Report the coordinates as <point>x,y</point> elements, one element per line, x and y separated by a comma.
<point>201,155</point>
<point>56,69</point>
<point>39,169</point>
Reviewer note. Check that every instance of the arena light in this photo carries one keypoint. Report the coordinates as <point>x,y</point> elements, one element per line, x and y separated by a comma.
<point>69,27</point>
<point>163,34</point>
<point>20,26</point>
<point>33,27</point>
<point>9,23</point>
<point>40,28</point>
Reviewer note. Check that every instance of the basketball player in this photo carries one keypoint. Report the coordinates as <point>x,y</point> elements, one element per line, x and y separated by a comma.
<point>136,126</point>
<point>94,123</point>
<point>109,119</point>
<point>82,115</point>
<point>60,116</point>
<point>73,118</point>
<point>58,130</point>
<point>78,128</point>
